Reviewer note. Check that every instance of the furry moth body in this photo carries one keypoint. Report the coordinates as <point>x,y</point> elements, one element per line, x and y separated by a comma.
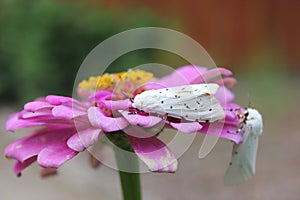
<point>242,165</point>
<point>191,102</point>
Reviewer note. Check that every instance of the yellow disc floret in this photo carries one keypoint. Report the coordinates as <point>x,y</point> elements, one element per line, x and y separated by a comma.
<point>123,84</point>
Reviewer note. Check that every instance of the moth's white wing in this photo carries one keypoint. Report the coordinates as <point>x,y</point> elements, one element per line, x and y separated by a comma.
<point>197,108</point>
<point>191,102</point>
<point>186,91</point>
<point>242,165</point>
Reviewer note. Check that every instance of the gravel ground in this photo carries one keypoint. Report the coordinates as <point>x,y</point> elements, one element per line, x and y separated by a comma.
<point>277,174</point>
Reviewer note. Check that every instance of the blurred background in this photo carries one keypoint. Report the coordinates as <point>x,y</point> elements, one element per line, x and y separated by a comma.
<point>43,43</point>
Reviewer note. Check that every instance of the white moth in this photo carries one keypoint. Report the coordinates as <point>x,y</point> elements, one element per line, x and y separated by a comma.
<point>242,165</point>
<point>191,102</point>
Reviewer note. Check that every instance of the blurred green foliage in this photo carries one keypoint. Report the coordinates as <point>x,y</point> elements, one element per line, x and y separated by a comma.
<point>43,43</point>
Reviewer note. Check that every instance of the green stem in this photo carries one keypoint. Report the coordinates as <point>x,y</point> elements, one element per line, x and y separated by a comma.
<point>130,182</point>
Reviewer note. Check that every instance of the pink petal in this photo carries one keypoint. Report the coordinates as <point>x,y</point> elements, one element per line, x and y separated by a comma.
<point>83,139</point>
<point>37,105</point>
<point>67,101</point>
<point>215,73</point>
<point>222,130</point>
<point>153,152</point>
<point>58,100</point>
<point>191,72</point>
<point>189,127</point>
<point>182,76</point>
<point>231,116</point>
<point>39,117</point>
<point>231,111</point>
<point>107,124</point>
<point>117,105</point>
<point>140,120</point>
<point>55,155</point>
<point>62,112</point>
<point>30,146</point>
<point>227,81</point>
<point>154,86</point>
<point>67,112</point>
<point>20,166</point>
<point>14,123</point>
<point>40,114</point>
<point>100,96</point>
<point>224,95</point>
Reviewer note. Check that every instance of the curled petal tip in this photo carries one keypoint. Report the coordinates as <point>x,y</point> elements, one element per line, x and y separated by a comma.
<point>225,72</point>
<point>227,81</point>
<point>47,172</point>
<point>230,82</point>
<point>95,163</point>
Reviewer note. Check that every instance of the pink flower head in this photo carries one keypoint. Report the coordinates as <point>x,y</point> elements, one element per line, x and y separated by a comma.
<point>66,126</point>
<point>64,130</point>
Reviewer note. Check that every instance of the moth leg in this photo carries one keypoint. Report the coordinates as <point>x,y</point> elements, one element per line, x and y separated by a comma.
<point>239,130</point>
<point>136,112</point>
<point>158,133</point>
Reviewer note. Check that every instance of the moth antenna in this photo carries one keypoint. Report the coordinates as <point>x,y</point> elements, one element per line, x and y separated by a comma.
<point>249,100</point>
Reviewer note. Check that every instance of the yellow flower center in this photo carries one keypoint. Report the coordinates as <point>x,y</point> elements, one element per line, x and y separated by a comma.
<point>123,84</point>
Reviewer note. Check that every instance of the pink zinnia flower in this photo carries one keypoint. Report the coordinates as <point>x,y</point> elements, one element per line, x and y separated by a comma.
<point>68,126</point>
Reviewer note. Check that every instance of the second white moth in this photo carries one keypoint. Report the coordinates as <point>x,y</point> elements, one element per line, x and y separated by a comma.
<point>242,165</point>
